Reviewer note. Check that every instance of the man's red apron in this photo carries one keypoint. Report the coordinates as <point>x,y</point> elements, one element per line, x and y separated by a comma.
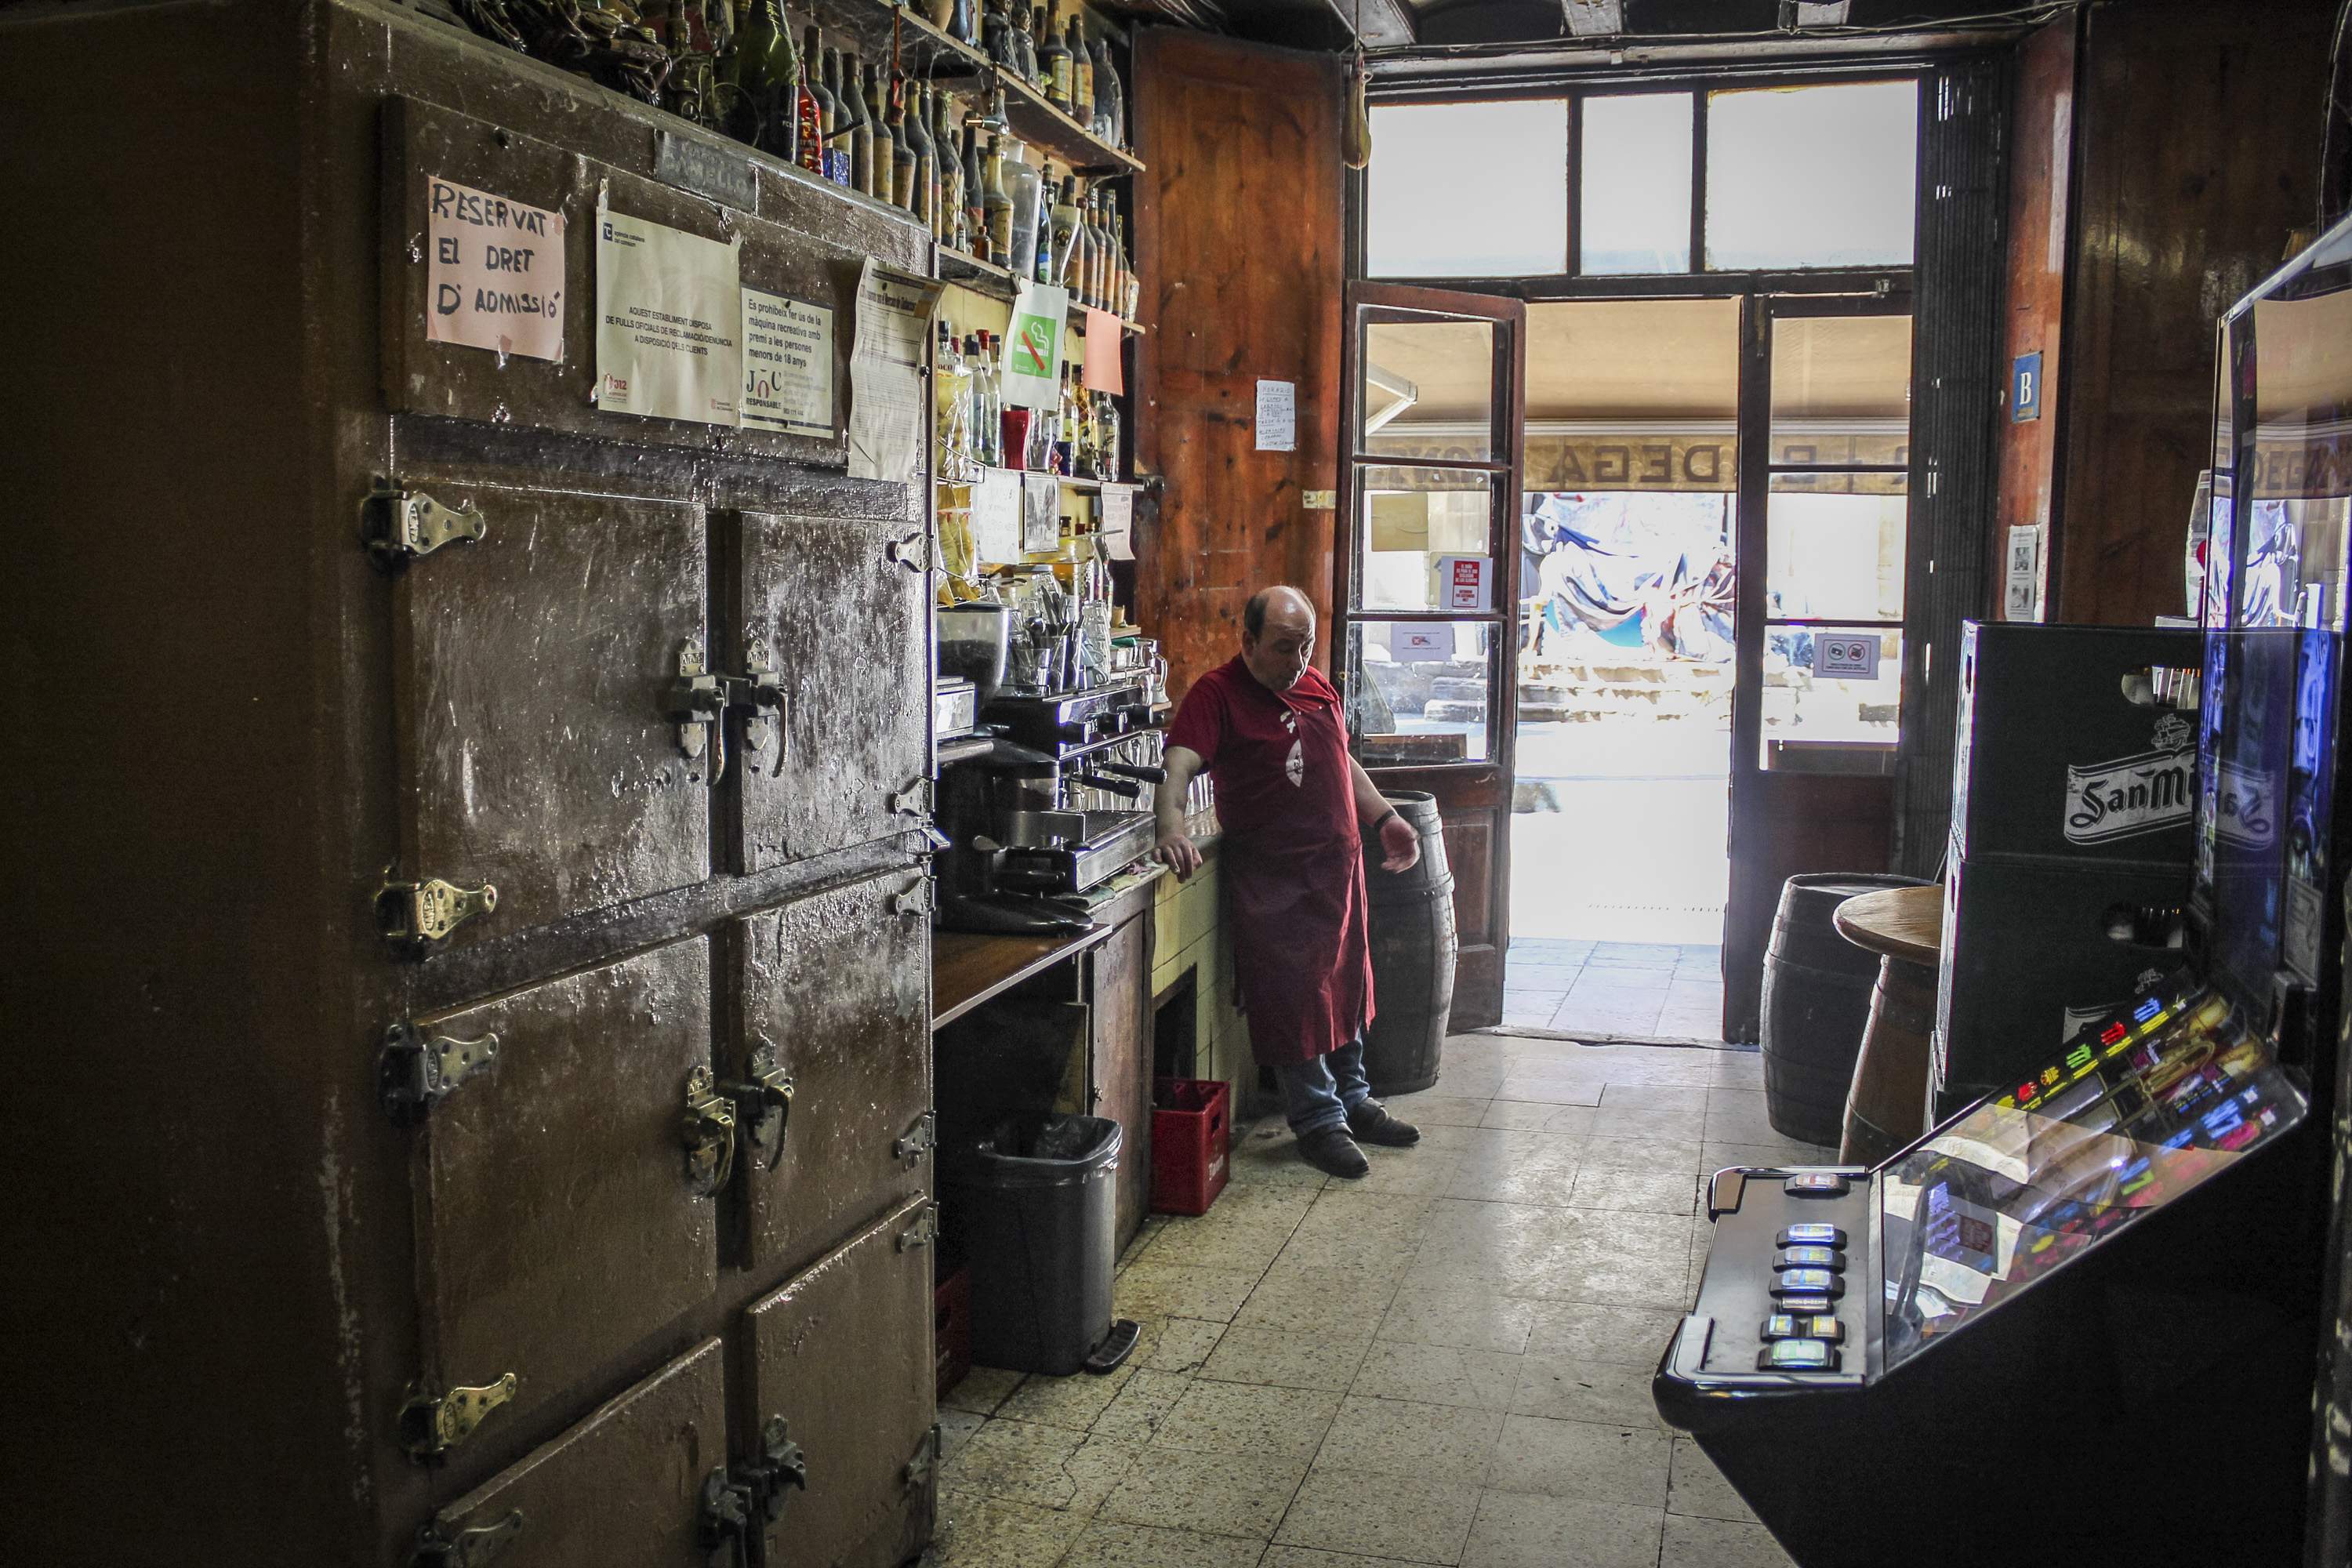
<point>1291,857</point>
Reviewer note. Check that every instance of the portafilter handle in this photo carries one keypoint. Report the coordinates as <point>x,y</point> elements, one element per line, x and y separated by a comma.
<point>1142,773</point>
<point>1120,787</point>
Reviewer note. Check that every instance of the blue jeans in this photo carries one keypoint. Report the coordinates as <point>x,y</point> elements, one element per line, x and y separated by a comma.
<point>1320,1094</point>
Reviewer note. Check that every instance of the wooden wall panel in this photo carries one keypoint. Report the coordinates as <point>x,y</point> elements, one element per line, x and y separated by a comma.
<point>2042,125</point>
<point>2200,128</point>
<point>1238,229</point>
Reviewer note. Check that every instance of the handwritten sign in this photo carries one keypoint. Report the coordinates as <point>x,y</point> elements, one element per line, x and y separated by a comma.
<point>1278,416</point>
<point>495,277</point>
<point>787,365</point>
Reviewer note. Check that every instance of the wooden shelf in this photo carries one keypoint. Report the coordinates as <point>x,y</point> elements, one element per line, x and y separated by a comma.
<point>968,967</point>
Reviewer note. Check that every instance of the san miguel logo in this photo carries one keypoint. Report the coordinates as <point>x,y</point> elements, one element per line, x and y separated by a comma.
<point>2146,793</point>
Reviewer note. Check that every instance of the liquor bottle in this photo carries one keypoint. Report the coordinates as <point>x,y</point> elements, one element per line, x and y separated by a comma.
<point>975,212</point>
<point>1082,73</point>
<point>986,407</point>
<point>808,125</point>
<point>1024,45</point>
<point>947,207</point>
<point>919,143</point>
<point>763,71</point>
<point>1053,58</point>
<point>884,144</point>
<point>812,63</point>
<point>1064,219</point>
<point>1111,97</point>
<point>997,33</point>
<point>962,26</point>
<point>1107,432</point>
<point>902,150</point>
<point>997,205</point>
<point>1131,287</point>
<point>1097,249</point>
<point>1046,256</point>
<point>1040,32</point>
<point>861,128</point>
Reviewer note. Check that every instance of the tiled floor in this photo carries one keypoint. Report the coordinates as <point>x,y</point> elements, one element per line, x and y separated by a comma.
<point>1446,1362</point>
<point>1645,991</point>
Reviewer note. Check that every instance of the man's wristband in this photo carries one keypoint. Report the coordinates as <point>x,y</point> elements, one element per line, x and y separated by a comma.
<point>1382,820</point>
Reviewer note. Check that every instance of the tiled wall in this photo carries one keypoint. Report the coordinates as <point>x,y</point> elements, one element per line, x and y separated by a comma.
<point>1188,933</point>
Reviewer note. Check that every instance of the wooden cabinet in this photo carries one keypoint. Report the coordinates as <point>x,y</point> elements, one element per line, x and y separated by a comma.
<point>1118,975</point>
<point>499,1240</point>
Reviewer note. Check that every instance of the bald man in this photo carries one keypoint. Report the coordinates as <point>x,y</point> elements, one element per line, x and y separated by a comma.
<point>1295,808</point>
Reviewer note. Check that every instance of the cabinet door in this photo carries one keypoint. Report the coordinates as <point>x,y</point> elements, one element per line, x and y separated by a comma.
<point>1122,1062</point>
<point>538,755</point>
<point>848,627</point>
<point>556,1224</point>
<point>837,986</point>
<point>844,1354</point>
<point>621,1489</point>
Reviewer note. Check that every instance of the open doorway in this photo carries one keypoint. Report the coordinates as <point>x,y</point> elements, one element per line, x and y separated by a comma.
<point>1627,583</point>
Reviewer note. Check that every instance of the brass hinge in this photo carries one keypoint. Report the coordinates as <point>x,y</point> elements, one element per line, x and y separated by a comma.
<point>400,525</point>
<point>418,914</point>
<point>920,1138</point>
<point>918,899</point>
<point>467,1548</point>
<point>927,1455</point>
<point>779,1467</point>
<point>763,1103</point>
<point>417,1071</point>
<point>432,1424</point>
<point>708,1129</point>
<point>923,1232</point>
<point>909,551</point>
<point>919,800</point>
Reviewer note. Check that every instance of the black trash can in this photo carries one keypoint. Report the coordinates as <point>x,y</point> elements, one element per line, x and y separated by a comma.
<point>1032,1204</point>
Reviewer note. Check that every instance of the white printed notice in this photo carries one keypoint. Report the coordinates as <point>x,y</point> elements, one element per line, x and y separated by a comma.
<point>1031,372</point>
<point>996,517</point>
<point>668,322</point>
<point>1278,416</point>
<point>887,406</point>
<point>1118,521</point>
<point>787,365</point>
<point>495,277</point>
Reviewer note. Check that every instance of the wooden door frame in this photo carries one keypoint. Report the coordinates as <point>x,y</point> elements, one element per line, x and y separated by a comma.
<point>1487,782</point>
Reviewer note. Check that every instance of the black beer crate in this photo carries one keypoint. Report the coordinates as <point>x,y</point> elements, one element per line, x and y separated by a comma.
<point>2034,949</point>
<point>2075,741</point>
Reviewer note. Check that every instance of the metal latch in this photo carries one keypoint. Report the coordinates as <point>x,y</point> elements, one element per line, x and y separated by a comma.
<point>923,1232</point>
<point>432,1424</point>
<point>708,1132</point>
<point>763,1103</point>
<point>907,551</point>
<point>400,525</point>
<point>919,800</point>
<point>418,914</point>
<point>467,1548</point>
<point>723,1521</point>
<point>779,1467</point>
<point>759,694</point>
<point>417,1071</point>
<point>694,702</point>
<point>927,1454</point>
<point>700,698</point>
<point>917,900</point>
<point>920,1138</point>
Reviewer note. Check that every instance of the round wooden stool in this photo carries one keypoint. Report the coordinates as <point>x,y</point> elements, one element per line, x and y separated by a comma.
<point>1886,1108</point>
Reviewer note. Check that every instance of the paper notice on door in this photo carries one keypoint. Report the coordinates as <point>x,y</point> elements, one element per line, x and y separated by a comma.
<point>670,321</point>
<point>887,406</point>
<point>2021,587</point>
<point>1041,521</point>
<point>1278,416</point>
<point>1465,583</point>
<point>1105,369</point>
<point>1032,371</point>
<point>996,517</point>
<point>1118,521</point>
<point>787,365</point>
<point>496,275</point>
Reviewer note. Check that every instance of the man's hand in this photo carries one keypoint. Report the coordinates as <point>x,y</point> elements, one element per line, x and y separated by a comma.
<point>1177,853</point>
<point>1401,842</point>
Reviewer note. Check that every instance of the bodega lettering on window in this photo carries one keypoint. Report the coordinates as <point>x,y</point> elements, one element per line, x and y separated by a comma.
<point>494,277</point>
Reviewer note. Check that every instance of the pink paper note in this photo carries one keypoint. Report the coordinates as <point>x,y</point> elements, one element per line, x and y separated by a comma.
<point>1103,364</point>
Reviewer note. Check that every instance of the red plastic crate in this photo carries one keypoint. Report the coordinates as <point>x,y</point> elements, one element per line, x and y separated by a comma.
<point>1192,1139</point>
<point>951,1342</point>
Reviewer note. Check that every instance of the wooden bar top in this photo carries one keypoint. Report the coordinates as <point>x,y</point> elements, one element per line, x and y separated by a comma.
<point>1902,923</point>
<point>970,967</point>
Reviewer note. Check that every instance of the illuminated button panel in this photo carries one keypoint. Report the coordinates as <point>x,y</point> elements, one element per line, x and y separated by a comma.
<point>1816,1185</point>
<point>1797,1355</point>
<point>1801,1326</point>
<point>1827,1258</point>
<point>1808,1282</point>
<point>1812,1234</point>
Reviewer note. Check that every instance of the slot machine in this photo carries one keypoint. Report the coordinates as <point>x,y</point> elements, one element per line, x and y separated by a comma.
<point>2079,1321</point>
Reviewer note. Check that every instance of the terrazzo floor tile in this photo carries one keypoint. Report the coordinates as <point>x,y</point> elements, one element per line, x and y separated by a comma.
<point>956,1427</point>
<point>979,1531</point>
<point>1479,1320</point>
<point>1177,1290</point>
<point>1631,1336</point>
<point>1431,1109</point>
<point>1135,1416</point>
<point>1642,1152</point>
<point>1281,1359</point>
<point>1696,1487</point>
<point>1605,1393</point>
<point>1633,955</point>
<point>1381,1515</point>
<point>1045,1467</point>
<point>1346,1303</point>
<point>1737,1070</point>
<point>1248,1418</point>
<point>1533,1008</point>
<point>1307,1557</point>
<point>1074,1402</point>
<point>1392,1438</point>
<point>1538,1115</point>
<point>1581,1459</point>
<point>1718,1544</point>
<point>1558,1087</point>
<point>1438,1374</point>
<point>1107,1545</point>
<point>1218,1494</point>
<point>1687,1097</point>
<point>1616,1121</point>
<point>983,1388</point>
<point>1644,1191</point>
<point>1515,1530</point>
<point>1175,1344</point>
<point>1713,1156</point>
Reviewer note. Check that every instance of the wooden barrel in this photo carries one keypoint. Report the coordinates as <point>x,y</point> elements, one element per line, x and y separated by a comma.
<point>1411,917</point>
<point>1887,1107</point>
<point>1817,988</point>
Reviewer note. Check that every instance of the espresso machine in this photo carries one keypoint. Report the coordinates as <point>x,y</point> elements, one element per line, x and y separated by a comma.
<point>1057,804</point>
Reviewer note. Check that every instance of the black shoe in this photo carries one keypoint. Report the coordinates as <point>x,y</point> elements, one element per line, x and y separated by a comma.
<point>1330,1151</point>
<point>1371,1123</point>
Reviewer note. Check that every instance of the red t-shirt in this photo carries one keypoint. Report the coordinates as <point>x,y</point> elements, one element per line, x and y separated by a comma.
<point>1279,760</point>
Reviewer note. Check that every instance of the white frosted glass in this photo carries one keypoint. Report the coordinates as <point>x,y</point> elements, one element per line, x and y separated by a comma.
<point>1812,176</point>
<point>1636,199</point>
<point>1468,190</point>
